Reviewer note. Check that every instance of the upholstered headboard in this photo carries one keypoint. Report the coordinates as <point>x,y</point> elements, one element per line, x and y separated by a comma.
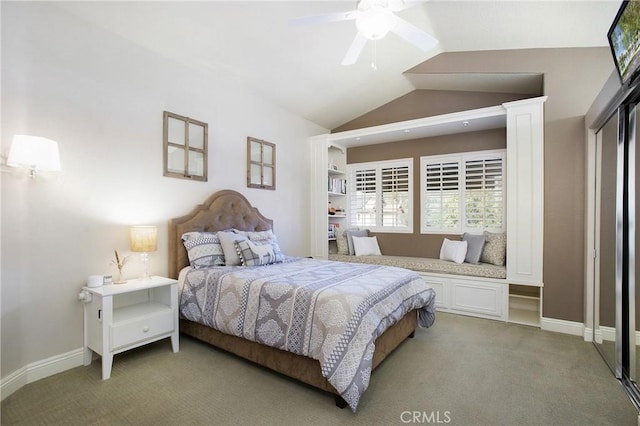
<point>223,210</point>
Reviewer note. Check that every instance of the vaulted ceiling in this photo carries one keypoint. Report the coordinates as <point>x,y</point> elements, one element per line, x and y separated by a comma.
<point>299,68</point>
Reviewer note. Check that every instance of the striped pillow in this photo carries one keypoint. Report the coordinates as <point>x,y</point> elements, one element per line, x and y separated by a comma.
<point>204,249</point>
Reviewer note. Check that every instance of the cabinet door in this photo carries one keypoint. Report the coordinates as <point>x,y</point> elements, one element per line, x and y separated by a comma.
<point>442,289</point>
<point>525,191</point>
<point>485,299</point>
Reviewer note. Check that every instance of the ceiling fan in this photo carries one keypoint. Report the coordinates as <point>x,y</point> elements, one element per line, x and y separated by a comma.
<point>374,19</point>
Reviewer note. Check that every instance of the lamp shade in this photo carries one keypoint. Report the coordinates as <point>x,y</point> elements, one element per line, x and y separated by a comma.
<point>34,152</point>
<point>144,238</point>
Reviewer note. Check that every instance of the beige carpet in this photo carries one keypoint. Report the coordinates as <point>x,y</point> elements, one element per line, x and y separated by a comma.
<point>462,371</point>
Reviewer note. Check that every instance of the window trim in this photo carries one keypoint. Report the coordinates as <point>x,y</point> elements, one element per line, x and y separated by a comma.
<point>462,158</point>
<point>378,166</point>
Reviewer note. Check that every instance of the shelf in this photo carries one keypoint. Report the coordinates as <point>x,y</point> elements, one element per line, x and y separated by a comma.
<point>336,193</point>
<point>335,172</point>
<point>524,304</point>
<point>337,215</point>
<point>522,296</point>
<point>134,312</point>
<point>524,317</point>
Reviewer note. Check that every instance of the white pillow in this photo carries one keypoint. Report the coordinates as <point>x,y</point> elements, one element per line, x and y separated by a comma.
<point>454,251</point>
<point>228,242</point>
<point>364,246</point>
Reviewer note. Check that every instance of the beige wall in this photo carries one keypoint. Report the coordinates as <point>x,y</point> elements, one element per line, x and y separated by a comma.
<point>572,80</point>
<point>417,244</point>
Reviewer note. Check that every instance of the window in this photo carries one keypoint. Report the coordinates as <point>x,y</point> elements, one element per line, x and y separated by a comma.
<point>380,195</point>
<point>462,192</point>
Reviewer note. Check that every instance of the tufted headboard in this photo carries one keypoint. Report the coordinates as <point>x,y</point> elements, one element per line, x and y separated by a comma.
<point>223,210</point>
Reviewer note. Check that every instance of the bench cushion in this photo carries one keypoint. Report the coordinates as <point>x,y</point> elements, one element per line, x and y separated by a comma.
<point>423,264</point>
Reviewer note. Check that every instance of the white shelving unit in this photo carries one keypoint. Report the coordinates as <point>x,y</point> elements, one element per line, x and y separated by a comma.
<point>336,190</point>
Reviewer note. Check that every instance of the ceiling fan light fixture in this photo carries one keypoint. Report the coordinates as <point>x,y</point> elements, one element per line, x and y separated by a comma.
<point>375,23</point>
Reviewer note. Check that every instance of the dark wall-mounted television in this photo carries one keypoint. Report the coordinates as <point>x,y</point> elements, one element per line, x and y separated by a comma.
<point>624,39</point>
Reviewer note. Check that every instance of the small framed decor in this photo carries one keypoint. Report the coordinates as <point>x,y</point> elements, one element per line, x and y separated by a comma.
<point>184,147</point>
<point>331,231</point>
<point>261,164</point>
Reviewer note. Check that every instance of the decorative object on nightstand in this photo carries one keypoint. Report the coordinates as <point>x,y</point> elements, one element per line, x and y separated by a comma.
<point>144,239</point>
<point>34,153</point>
<point>119,263</point>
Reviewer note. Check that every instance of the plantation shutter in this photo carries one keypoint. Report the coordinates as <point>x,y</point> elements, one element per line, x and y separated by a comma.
<point>395,196</point>
<point>362,197</point>
<point>484,193</point>
<point>441,204</point>
<point>381,195</point>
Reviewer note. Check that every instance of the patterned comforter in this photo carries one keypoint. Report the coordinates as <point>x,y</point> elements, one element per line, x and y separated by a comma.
<point>329,311</point>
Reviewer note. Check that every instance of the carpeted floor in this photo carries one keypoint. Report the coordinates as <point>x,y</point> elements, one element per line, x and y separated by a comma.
<point>462,371</point>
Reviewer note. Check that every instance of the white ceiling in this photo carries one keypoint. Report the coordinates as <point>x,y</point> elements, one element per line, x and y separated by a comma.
<point>299,68</point>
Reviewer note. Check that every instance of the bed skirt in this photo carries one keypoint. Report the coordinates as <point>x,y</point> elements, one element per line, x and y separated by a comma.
<point>299,367</point>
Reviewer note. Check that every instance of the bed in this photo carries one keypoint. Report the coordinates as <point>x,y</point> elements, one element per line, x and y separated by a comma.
<point>325,363</point>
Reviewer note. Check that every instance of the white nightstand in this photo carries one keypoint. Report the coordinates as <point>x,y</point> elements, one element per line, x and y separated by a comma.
<point>120,317</point>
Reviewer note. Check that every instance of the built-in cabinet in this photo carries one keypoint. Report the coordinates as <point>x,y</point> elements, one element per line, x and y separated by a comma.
<point>517,299</point>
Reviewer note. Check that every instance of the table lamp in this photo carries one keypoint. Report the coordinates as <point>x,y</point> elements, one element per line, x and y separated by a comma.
<point>144,239</point>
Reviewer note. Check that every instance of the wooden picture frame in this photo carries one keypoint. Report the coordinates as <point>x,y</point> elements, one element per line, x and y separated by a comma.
<point>261,164</point>
<point>185,142</point>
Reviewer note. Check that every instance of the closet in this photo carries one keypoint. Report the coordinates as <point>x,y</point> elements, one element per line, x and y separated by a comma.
<point>616,252</point>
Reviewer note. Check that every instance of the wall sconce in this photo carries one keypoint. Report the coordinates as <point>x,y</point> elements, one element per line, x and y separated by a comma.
<point>34,153</point>
<point>144,239</point>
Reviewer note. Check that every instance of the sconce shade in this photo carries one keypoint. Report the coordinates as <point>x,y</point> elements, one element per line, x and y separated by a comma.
<point>34,152</point>
<point>144,238</point>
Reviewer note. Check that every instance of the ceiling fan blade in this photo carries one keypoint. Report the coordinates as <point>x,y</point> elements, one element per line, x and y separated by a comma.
<point>354,50</point>
<point>414,35</point>
<point>321,19</point>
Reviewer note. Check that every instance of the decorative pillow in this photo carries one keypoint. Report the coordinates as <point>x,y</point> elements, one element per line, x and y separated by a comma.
<point>351,234</point>
<point>454,251</point>
<point>475,243</point>
<point>341,241</point>
<point>255,253</point>
<point>203,249</point>
<point>267,235</point>
<point>364,246</point>
<point>495,249</point>
<point>228,241</point>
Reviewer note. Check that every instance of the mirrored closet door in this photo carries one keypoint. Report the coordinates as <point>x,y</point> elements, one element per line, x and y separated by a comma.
<point>605,242</point>
<point>616,317</point>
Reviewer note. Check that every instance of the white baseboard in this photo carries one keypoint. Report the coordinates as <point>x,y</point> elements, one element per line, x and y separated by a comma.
<point>39,370</point>
<point>562,326</point>
<point>590,336</point>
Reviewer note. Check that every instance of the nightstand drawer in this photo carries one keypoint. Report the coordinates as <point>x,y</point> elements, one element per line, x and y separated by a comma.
<point>130,332</point>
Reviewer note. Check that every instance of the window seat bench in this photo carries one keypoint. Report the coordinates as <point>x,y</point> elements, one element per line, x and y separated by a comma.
<point>424,264</point>
<point>475,290</point>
